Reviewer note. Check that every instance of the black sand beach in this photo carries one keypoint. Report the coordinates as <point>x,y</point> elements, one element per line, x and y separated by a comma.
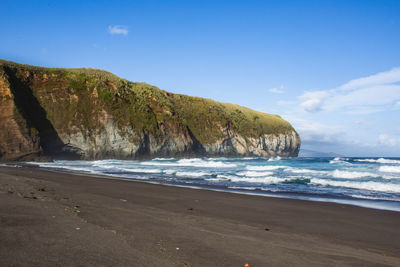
<point>61,219</point>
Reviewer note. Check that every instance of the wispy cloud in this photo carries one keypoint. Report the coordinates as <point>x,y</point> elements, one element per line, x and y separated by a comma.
<point>277,90</point>
<point>314,100</point>
<point>386,77</point>
<point>312,131</point>
<point>388,140</point>
<point>118,29</point>
<point>359,96</point>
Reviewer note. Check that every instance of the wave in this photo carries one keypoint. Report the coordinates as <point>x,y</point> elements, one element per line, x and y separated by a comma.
<point>375,198</point>
<point>214,179</point>
<point>243,187</point>
<point>80,169</point>
<point>141,170</point>
<point>164,159</point>
<point>258,180</point>
<point>296,170</point>
<point>255,174</point>
<point>352,175</point>
<point>192,174</point>
<point>264,168</point>
<point>10,165</point>
<point>389,169</point>
<point>225,176</point>
<point>192,163</point>
<point>105,164</point>
<point>170,171</point>
<point>370,186</point>
<point>275,159</point>
<point>380,160</point>
<point>340,161</point>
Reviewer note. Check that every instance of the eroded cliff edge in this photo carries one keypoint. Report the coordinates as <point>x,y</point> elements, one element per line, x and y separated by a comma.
<point>92,114</point>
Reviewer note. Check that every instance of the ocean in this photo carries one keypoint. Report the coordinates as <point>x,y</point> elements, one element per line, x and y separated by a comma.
<point>366,182</point>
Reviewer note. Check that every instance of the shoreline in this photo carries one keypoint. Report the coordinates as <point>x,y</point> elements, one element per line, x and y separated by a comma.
<point>357,202</point>
<point>125,223</point>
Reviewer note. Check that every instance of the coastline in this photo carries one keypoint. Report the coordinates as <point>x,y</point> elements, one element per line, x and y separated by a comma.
<point>145,224</point>
<point>360,201</point>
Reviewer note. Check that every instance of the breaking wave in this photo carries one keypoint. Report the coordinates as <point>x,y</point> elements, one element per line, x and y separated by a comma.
<point>333,178</point>
<point>370,185</point>
<point>389,169</point>
<point>352,175</point>
<point>380,160</point>
<point>192,163</point>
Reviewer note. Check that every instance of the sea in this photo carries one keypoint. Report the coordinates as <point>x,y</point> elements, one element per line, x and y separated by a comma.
<point>365,182</point>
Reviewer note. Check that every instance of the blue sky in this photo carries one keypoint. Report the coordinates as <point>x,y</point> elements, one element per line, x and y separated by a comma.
<point>331,68</point>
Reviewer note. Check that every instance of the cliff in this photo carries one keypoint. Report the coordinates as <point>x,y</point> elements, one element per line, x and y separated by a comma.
<point>92,114</point>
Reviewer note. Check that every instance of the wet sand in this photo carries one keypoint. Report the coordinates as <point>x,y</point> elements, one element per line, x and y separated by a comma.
<point>61,219</point>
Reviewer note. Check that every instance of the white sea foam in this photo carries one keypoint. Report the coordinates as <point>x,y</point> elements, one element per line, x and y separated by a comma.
<point>170,171</point>
<point>141,170</point>
<point>339,161</point>
<point>264,168</point>
<point>215,179</point>
<point>380,160</point>
<point>104,164</point>
<point>225,176</point>
<point>391,177</point>
<point>192,174</point>
<point>259,180</point>
<point>335,160</point>
<point>352,175</point>
<point>375,198</point>
<point>389,169</point>
<point>300,170</point>
<point>255,174</point>
<point>162,159</point>
<point>388,161</point>
<point>275,159</point>
<point>242,187</point>
<point>372,186</point>
<point>192,163</point>
<point>10,165</point>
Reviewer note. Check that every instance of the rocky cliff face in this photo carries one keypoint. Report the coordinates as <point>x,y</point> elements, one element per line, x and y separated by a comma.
<point>92,114</point>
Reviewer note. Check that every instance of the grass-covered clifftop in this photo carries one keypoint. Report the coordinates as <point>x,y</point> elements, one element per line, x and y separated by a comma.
<point>76,96</point>
<point>94,114</point>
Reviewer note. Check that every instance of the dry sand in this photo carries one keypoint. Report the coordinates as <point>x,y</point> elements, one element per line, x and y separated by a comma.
<point>60,219</point>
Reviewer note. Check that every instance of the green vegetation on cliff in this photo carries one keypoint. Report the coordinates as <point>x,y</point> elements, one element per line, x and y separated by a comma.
<point>78,99</point>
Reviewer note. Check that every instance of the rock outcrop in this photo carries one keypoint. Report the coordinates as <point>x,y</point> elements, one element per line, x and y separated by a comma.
<point>92,114</point>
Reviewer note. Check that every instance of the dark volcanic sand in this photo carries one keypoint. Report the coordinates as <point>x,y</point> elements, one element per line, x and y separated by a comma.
<point>124,223</point>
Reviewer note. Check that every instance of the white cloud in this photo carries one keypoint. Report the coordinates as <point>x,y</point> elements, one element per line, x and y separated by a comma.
<point>359,96</point>
<point>277,90</point>
<point>118,29</point>
<point>388,140</point>
<point>386,77</point>
<point>312,131</point>
<point>314,100</point>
